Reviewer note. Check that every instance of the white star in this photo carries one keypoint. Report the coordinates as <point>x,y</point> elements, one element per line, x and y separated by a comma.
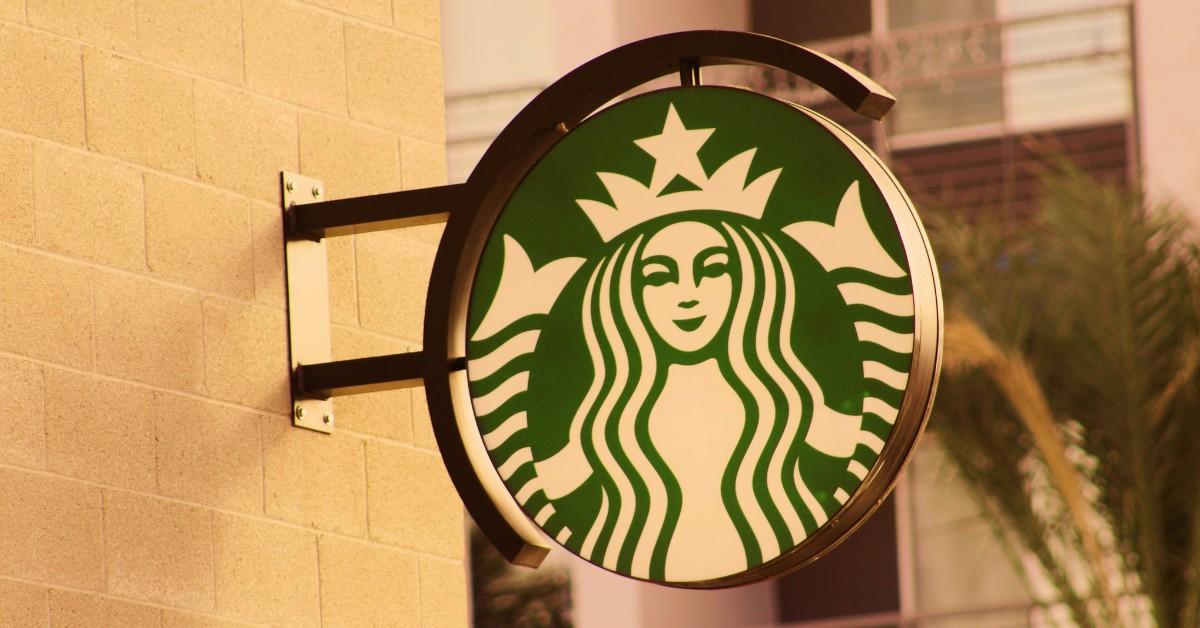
<point>675,152</point>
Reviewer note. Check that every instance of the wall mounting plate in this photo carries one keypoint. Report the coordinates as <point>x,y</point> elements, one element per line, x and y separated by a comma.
<point>308,303</point>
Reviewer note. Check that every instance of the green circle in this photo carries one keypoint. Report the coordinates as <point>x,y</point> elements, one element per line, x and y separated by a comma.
<point>547,400</point>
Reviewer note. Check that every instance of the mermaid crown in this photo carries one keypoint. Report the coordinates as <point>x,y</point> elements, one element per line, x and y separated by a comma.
<point>675,152</point>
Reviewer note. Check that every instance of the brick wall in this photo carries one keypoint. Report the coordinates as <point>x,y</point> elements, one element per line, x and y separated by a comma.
<point>149,473</point>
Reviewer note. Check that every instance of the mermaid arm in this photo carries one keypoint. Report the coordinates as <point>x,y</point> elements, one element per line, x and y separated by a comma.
<point>564,471</point>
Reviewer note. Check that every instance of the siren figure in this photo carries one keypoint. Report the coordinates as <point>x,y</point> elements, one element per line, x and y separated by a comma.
<point>692,431</point>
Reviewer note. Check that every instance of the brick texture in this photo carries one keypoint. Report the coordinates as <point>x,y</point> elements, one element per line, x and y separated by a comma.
<point>50,530</point>
<point>411,501</point>
<point>158,551</point>
<point>295,53</point>
<point>199,236</point>
<point>99,429</point>
<point>314,480</point>
<point>148,332</point>
<point>225,120</point>
<point>266,572</point>
<point>43,81</point>
<point>78,610</point>
<point>109,24</point>
<point>79,196</point>
<point>201,36</point>
<point>22,605</point>
<point>208,453</point>
<point>16,188</point>
<point>443,594</point>
<point>395,81</point>
<point>365,586</point>
<point>47,305</point>
<point>22,413</point>
<point>150,474</point>
<point>139,112</point>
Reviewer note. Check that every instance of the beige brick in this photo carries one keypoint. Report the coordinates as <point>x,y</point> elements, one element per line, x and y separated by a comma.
<point>158,551</point>
<point>343,280</point>
<point>106,23</point>
<point>50,530</point>
<point>266,572</point>
<point>12,10</point>
<point>226,120</point>
<point>139,112</point>
<point>201,36</point>
<point>443,594</point>
<point>423,165</point>
<point>47,305</point>
<point>386,413</point>
<point>351,159</point>
<point>411,500</point>
<point>313,479</point>
<point>295,53</point>
<point>267,225</point>
<point>99,429</point>
<point>22,415</point>
<point>176,619</point>
<point>365,585</point>
<point>199,236</point>
<point>43,86</point>
<point>379,11</point>
<point>208,453</point>
<point>422,421</point>
<point>79,196</point>
<point>395,81</point>
<point>82,610</point>
<point>149,332</point>
<point>22,605</point>
<point>247,354</point>
<point>16,188</point>
<point>393,277</point>
<point>419,17</point>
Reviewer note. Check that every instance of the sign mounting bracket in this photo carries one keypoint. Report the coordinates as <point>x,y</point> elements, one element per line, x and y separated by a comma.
<point>308,220</point>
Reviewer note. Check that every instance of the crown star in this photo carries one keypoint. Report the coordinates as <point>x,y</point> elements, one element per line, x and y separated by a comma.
<point>675,152</point>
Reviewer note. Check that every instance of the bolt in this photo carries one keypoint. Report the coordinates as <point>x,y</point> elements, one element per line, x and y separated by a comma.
<point>316,192</point>
<point>299,411</point>
<point>328,418</point>
<point>291,186</point>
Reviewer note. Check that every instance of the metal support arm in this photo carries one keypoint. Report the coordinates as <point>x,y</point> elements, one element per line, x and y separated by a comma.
<point>377,212</point>
<point>308,220</point>
<point>362,375</point>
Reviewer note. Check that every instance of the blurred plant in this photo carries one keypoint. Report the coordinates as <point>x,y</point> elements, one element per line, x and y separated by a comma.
<point>505,596</point>
<point>1070,397</point>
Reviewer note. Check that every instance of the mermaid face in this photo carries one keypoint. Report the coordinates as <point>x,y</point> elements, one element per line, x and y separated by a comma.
<point>686,284</point>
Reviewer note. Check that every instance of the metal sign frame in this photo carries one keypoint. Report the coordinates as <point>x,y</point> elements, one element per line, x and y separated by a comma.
<point>470,211</point>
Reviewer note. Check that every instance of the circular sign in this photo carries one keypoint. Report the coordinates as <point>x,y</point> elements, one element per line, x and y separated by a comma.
<point>695,336</point>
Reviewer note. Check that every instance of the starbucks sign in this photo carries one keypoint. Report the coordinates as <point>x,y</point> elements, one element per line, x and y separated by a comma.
<point>691,332</point>
<point>690,335</point>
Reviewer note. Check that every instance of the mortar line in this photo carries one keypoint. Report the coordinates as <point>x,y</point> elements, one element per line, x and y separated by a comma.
<point>260,518</point>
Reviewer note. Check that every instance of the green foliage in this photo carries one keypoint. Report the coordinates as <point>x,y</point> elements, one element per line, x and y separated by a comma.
<point>1099,297</point>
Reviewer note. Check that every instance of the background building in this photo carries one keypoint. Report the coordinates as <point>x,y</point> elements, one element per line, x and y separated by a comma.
<point>986,89</point>
<point>149,472</point>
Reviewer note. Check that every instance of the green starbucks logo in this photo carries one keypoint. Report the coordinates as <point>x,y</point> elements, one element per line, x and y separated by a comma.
<point>691,332</point>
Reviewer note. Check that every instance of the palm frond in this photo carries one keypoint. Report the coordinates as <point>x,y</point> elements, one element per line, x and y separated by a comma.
<point>1085,321</point>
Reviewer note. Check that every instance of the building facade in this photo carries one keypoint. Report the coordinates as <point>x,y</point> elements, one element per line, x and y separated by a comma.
<point>149,471</point>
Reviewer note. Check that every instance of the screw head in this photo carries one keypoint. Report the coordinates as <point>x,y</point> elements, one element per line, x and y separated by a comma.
<point>328,418</point>
<point>291,186</point>
<point>316,192</point>
<point>299,411</point>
